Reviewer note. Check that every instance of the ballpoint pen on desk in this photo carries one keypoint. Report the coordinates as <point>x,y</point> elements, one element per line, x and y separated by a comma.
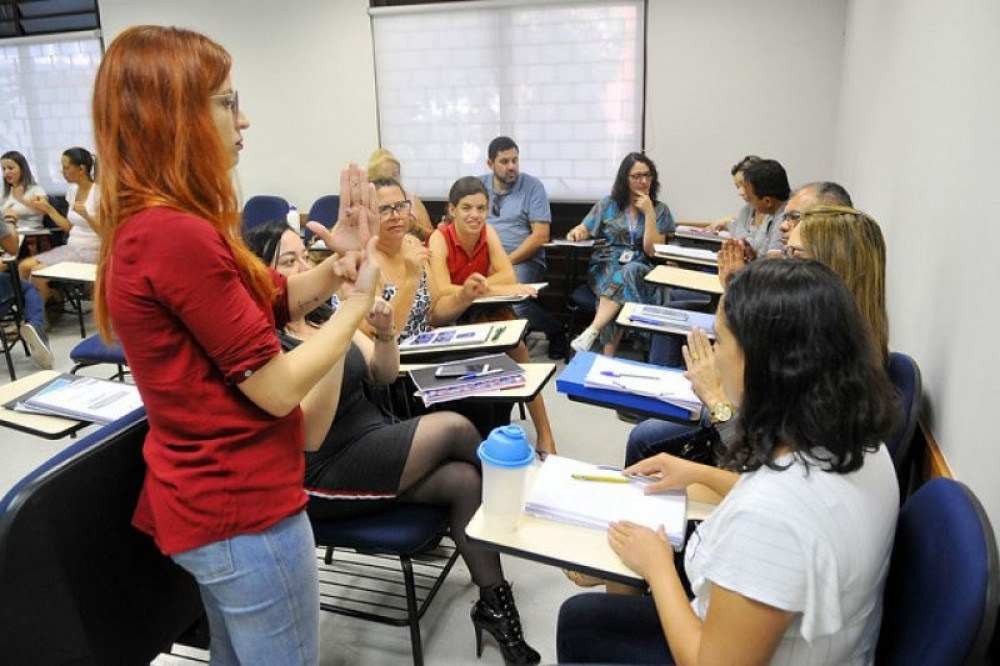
<point>656,322</point>
<point>615,373</point>
<point>498,333</point>
<point>477,375</point>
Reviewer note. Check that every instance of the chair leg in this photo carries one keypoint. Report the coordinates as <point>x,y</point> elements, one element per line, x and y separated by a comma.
<point>520,408</point>
<point>10,361</point>
<point>411,610</point>
<point>328,557</point>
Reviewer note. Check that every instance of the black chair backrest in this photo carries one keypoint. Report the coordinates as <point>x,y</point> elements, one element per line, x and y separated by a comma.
<point>79,584</point>
<point>58,202</point>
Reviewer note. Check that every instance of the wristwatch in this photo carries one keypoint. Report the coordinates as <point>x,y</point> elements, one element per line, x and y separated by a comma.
<point>720,412</point>
<point>386,337</point>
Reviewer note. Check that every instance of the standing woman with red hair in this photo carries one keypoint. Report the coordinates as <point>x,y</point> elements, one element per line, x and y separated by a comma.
<point>195,312</point>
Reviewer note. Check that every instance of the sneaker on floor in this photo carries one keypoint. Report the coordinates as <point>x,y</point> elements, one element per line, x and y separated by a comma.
<point>558,346</point>
<point>38,345</point>
<point>585,340</point>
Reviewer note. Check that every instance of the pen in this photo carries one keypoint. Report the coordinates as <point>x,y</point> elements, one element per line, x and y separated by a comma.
<point>600,478</point>
<point>613,373</point>
<point>496,335</point>
<point>475,375</point>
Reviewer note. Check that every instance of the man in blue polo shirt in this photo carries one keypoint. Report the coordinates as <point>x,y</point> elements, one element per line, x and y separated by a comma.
<point>519,211</point>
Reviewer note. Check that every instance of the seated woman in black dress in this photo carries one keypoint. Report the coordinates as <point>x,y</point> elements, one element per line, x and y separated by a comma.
<point>366,460</point>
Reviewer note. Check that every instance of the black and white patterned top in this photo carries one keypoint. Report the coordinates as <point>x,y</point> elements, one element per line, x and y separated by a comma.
<point>419,320</point>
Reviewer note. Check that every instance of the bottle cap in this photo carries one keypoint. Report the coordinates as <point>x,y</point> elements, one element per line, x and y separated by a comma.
<point>507,446</point>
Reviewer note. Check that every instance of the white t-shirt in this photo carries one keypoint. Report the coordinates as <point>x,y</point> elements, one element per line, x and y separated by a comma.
<point>81,234</point>
<point>27,217</point>
<point>816,544</point>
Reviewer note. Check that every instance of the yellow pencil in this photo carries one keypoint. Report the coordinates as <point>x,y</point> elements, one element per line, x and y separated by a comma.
<point>602,479</point>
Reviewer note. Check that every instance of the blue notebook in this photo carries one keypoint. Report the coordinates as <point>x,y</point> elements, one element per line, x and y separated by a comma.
<point>571,382</point>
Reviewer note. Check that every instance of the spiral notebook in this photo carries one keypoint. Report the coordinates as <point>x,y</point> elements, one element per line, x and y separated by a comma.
<point>557,495</point>
<point>502,373</point>
<point>643,379</point>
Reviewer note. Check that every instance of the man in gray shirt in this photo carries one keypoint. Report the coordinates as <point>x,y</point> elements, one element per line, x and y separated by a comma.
<point>519,211</point>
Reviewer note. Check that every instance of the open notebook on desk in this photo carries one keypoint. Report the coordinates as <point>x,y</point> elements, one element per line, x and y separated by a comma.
<point>559,495</point>
<point>655,382</point>
<point>81,398</point>
<point>448,335</point>
<point>666,320</point>
<point>700,233</point>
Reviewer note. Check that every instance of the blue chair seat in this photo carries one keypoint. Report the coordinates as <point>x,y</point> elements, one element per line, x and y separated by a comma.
<point>402,529</point>
<point>93,350</point>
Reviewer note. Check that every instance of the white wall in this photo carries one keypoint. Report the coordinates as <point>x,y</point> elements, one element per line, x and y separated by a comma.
<point>918,145</point>
<point>305,73</point>
<point>728,78</point>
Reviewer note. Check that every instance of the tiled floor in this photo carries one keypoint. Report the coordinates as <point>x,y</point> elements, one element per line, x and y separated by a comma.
<point>581,431</point>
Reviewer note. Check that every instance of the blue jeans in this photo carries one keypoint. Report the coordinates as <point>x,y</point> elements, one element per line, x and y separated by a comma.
<point>34,308</point>
<point>261,594</point>
<point>610,629</point>
<point>538,318</point>
<point>654,436</point>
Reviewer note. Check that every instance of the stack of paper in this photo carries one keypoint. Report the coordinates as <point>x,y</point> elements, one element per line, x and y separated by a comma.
<point>686,252</point>
<point>502,373</point>
<point>81,398</point>
<point>590,242</point>
<point>643,379</point>
<point>556,495</point>
<point>471,334</point>
<point>686,231</point>
<point>514,298</point>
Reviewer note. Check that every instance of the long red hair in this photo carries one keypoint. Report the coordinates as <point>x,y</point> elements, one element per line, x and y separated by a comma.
<point>158,145</point>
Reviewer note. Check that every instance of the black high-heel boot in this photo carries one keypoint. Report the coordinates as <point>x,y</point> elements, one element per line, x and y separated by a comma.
<point>496,613</point>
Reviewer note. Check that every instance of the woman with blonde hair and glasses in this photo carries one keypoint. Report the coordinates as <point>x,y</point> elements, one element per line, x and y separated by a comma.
<point>850,242</point>
<point>195,311</point>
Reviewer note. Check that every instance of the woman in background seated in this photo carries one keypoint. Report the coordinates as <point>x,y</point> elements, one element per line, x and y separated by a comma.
<point>82,241</point>
<point>848,241</point>
<point>383,165</point>
<point>631,220</point>
<point>20,192</point>
<point>790,567</point>
<point>467,256</point>
<point>367,461</point>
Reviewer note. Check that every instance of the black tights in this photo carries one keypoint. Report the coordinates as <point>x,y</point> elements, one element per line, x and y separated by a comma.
<point>443,468</point>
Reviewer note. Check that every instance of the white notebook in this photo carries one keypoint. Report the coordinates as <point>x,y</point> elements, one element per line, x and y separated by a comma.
<point>556,495</point>
<point>653,381</point>
<point>687,252</point>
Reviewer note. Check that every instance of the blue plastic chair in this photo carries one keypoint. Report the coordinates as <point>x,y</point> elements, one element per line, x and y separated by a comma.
<point>263,208</point>
<point>403,531</point>
<point>324,210</point>
<point>93,351</point>
<point>905,376</point>
<point>942,592</point>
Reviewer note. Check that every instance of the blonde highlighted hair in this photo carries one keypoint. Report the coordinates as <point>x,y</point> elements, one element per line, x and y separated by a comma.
<point>378,162</point>
<point>850,242</point>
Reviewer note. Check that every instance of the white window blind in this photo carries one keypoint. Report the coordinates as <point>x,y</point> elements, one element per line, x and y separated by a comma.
<point>46,85</point>
<point>563,79</point>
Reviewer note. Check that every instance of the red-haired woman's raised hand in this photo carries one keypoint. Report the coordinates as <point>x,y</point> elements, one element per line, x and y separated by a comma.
<point>357,218</point>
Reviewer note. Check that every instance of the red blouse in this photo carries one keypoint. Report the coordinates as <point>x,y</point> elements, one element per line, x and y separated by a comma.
<point>216,464</point>
<point>460,264</point>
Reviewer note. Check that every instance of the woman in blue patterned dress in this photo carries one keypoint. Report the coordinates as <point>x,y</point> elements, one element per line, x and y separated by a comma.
<point>631,221</point>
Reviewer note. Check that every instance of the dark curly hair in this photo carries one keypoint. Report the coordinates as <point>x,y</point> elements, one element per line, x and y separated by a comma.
<point>620,192</point>
<point>813,381</point>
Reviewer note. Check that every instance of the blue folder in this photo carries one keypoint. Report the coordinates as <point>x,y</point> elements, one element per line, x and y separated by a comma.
<point>571,382</point>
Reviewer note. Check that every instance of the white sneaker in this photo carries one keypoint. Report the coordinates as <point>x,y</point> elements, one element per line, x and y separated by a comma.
<point>585,340</point>
<point>37,345</point>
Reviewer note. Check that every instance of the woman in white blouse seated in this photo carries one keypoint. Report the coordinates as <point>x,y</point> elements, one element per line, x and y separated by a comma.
<point>789,569</point>
<point>82,242</point>
<point>20,192</point>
